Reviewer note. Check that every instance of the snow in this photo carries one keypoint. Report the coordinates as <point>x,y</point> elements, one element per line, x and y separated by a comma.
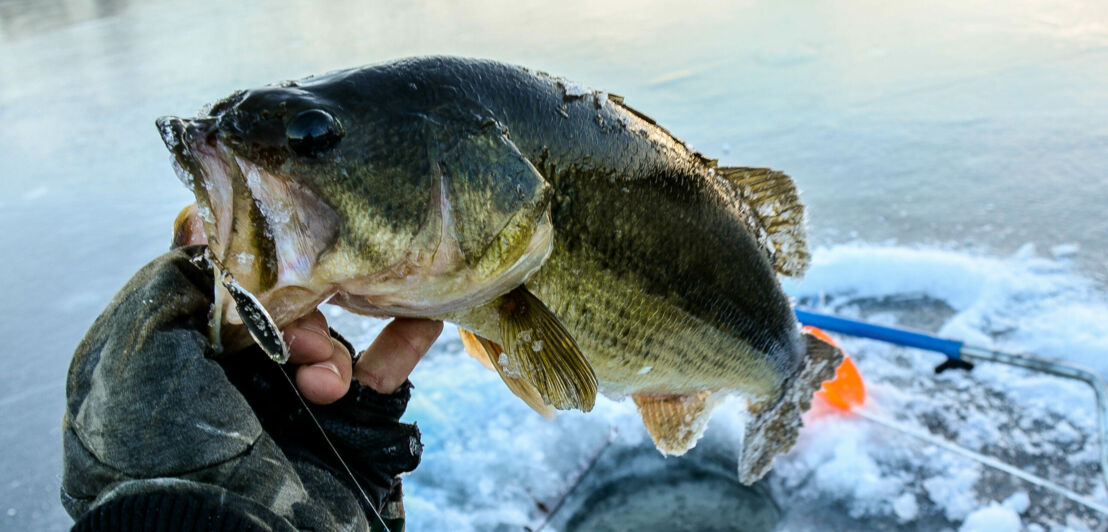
<point>490,462</point>
<point>906,507</point>
<point>992,518</point>
<point>998,517</point>
<point>1042,424</point>
<point>573,89</point>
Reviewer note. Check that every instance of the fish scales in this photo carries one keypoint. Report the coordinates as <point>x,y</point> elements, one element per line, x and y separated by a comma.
<point>633,179</point>
<point>583,245</point>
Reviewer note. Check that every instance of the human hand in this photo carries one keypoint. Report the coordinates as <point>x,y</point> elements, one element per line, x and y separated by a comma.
<point>146,402</point>
<point>325,365</point>
<point>325,370</point>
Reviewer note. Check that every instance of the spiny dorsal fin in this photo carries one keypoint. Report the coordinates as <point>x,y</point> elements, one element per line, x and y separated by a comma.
<point>773,209</point>
<point>676,422</point>
<point>541,351</point>
<point>486,351</point>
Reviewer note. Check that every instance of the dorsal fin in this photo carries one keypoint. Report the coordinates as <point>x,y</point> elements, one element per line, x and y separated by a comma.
<point>773,210</point>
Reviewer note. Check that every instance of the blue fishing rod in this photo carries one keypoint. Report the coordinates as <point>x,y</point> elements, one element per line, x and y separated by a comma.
<point>959,355</point>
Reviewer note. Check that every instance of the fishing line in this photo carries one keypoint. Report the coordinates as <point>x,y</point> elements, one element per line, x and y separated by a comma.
<point>577,478</point>
<point>268,336</point>
<point>333,449</point>
<point>988,461</point>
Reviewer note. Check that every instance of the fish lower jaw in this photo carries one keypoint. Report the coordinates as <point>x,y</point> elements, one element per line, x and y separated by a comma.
<point>212,188</point>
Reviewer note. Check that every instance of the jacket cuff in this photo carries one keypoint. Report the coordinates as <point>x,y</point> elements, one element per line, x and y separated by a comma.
<point>171,505</point>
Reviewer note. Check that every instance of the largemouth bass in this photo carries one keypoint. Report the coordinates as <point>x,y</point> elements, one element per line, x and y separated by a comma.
<point>577,244</point>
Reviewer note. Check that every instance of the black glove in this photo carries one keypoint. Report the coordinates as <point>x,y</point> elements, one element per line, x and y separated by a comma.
<point>160,435</point>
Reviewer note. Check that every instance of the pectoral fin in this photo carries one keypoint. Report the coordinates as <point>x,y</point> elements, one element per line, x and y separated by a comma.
<point>488,353</point>
<point>542,352</point>
<point>676,422</point>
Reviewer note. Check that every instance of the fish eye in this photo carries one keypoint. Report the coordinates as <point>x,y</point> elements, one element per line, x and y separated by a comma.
<point>312,132</point>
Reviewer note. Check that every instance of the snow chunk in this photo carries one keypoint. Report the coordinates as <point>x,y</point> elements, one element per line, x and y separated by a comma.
<point>1064,251</point>
<point>573,89</point>
<point>954,492</point>
<point>1018,501</point>
<point>992,518</point>
<point>906,507</point>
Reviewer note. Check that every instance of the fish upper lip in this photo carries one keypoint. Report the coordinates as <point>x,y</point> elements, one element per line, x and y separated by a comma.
<point>182,136</point>
<point>179,132</point>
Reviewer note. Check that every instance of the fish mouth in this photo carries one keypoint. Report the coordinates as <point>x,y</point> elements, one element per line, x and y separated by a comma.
<point>264,228</point>
<point>205,168</point>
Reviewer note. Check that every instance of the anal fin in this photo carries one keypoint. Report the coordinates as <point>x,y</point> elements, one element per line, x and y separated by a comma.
<point>540,350</point>
<point>676,422</point>
<point>488,354</point>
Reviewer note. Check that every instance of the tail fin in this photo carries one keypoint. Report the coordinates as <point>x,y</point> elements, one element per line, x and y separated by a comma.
<point>774,427</point>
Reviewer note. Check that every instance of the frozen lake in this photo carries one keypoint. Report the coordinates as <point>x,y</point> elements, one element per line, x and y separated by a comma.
<point>974,127</point>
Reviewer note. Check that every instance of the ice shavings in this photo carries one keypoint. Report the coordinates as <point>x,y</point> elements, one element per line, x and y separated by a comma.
<point>998,517</point>
<point>1026,304</point>
<point>1039,423</point>
<point>509,369</point>
<point>488,459</point>
<point>1064,251</point>
<point>952,489</point>
<point>992,518</point>
<point>906,507</point>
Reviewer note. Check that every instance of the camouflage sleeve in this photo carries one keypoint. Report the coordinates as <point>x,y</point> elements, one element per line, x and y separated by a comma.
<point>148,411</point>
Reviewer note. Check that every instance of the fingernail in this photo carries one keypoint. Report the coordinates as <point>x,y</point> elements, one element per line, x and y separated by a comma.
<point>314,327</point>
<point>329,365</point>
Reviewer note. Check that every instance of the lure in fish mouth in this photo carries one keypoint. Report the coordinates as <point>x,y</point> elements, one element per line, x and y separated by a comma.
<point>578,245</point>
<point>299,212</point>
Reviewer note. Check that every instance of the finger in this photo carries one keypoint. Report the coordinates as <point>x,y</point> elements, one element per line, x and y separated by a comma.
<point>326,381</point>
<point>324,374</point>
<point>188,228</point>
<point>309,339</point>
<point>386,364</point>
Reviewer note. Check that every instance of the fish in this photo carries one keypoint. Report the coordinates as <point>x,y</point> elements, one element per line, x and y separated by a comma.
<point>580,247</point>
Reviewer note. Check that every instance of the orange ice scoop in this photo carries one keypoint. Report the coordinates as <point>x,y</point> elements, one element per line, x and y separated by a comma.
<point>846,390</point>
